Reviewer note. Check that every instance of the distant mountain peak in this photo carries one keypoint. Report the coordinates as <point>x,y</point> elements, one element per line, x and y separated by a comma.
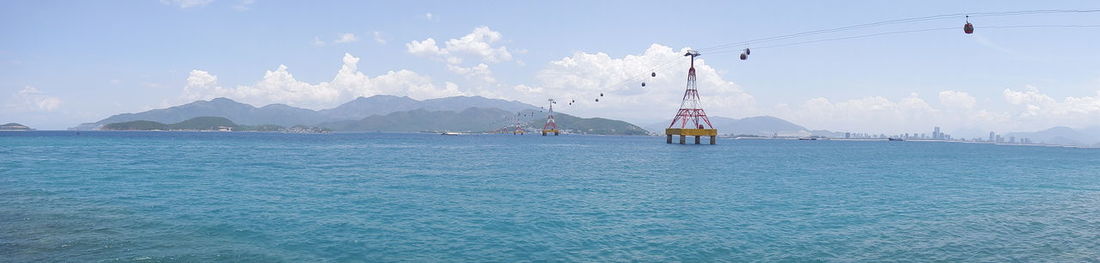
<point>222,99</point>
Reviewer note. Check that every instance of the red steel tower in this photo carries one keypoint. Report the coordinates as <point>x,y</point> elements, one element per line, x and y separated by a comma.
<point>550,126</point>
<point>692,119</point>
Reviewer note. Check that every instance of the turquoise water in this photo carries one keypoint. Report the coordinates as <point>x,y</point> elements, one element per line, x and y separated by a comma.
<point>160,196</point>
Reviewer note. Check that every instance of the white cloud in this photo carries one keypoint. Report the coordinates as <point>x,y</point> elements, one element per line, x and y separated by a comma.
<point>280,86</point>
<point>867,114</point>
<point>430,17</point>
<point>187,3</point>
<point>957,99</point>
<point>477,44</point>
<point>480,43</point>
<point>346,38</point>
<point>1035,107</point>
<point>341,38</point>
<point>379,38</point>
<point>424,48</point>
<point>480,72</point>
<point>30,99</point>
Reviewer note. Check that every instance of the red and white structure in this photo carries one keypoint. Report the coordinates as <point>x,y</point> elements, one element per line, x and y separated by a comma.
<point>551,126</point>
<point>691,119</point>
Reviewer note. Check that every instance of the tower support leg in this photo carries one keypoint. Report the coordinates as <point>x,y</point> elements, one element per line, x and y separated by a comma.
<point>696,139</point>
<point>669,141</point>
<point>683,139</point>
<point>712,139</point>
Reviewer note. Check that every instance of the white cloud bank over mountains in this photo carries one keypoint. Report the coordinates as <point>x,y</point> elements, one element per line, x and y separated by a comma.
<point>280,86</point>
<point>583,76</point>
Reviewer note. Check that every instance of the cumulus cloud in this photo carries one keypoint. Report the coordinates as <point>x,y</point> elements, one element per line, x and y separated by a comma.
<point>30,99</point>
<point>187,3</point>
<point>480,72</point>
<point>424,48</point>
<point>1033,106</point>
<point>957,99</point>
<point>280,86</point>
<point>478,44</point>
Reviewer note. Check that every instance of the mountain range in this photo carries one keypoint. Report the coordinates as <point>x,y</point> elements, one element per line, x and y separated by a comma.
<point>380,113</point>
<point>285,115</point>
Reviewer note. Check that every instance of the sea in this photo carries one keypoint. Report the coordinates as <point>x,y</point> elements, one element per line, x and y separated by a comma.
<point>69,196</point>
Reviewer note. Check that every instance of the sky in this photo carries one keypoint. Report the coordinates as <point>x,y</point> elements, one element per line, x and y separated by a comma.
<point>63,63</point>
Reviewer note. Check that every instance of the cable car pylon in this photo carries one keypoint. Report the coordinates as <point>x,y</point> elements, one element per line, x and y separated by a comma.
<point>551,126</point>
<point>691,112</point>
<point>519,130</point>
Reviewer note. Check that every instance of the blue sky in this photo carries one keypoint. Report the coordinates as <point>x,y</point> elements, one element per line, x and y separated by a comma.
<point>67,62</point>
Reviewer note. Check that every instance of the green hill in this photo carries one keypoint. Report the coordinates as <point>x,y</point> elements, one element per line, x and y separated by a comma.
<point>137,126</point>
<point>14,127</point>
<point>195,124</point>
<point>468,120</point>
<point>481,120</point>
<point>601,126</point>
<point>207,123</point>
<point>203,124</point>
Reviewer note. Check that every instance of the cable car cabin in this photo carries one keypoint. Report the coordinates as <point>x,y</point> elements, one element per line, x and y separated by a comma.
<point>968,28</point>
<point>643,84</point>
<point>744,56</point>
<point>654,74</point>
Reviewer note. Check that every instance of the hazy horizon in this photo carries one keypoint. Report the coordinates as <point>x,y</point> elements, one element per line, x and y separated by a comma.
<point>70,63</point>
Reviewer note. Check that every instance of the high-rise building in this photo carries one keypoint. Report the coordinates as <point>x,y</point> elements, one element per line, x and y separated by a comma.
<point>992,136</point>
<point>936,134</point>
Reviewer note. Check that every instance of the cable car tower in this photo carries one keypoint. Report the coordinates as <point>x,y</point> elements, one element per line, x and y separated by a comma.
<point>518,125</point>
<point>691,117</point>
<point>550,126</point>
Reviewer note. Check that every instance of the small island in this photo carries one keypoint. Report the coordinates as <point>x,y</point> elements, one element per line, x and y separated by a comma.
<point>11,126</point>
<point>207,124</point>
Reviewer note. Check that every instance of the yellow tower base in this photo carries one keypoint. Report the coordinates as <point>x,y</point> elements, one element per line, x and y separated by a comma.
<point>713,133</point>
<point>547,131</point>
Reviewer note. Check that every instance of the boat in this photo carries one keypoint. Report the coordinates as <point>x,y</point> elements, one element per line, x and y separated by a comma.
<point>450,134</point>
<point>896,139</point>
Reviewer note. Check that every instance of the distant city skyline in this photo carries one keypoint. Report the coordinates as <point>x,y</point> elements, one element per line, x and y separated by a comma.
<point>67,63</point>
